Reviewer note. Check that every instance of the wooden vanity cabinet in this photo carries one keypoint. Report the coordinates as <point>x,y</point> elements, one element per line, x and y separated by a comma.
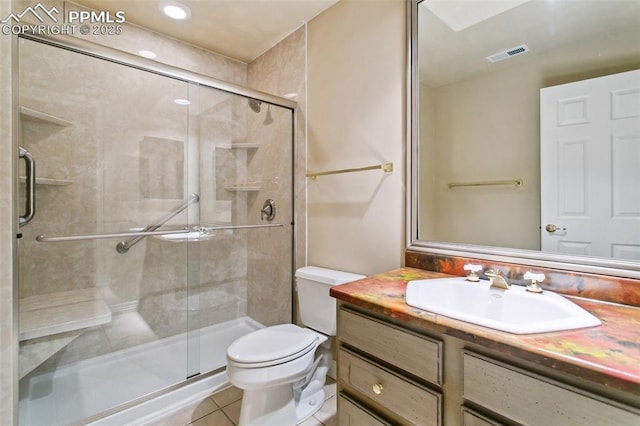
<point>529,398</point>
<point>351,413</point>
<point>392,373</point>
<point>389,374</point>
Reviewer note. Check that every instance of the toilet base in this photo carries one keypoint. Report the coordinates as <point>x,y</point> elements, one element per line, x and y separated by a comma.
<point>292,403</point>
<point>309,406</point>
<point>278,407</point>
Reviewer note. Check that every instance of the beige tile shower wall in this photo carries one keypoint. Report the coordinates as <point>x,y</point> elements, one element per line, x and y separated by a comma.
<point>356,113</point>
<point>222,268</point>
<point>46,268</point>
<point>280,71</point>
<point>120,159</point>
<point>170,51</point>
<point>125,136</point>
<point>8,349</point>
<point>220,292</point>
<point>123,139</point>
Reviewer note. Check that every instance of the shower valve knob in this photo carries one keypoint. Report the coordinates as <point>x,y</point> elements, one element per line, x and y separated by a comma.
<point>268,210</point>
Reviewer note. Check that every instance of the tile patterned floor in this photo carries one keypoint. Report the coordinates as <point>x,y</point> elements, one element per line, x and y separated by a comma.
<point>223,409</point>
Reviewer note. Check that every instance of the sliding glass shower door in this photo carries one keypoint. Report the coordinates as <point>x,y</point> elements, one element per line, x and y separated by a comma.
<point>162,230</point>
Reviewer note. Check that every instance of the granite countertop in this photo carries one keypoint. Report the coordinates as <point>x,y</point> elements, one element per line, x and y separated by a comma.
<point>608,354</point>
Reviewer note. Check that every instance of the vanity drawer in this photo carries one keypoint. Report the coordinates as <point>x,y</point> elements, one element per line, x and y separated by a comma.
<point>413,403</point>
<point>414,353</point>
<point>531,399</point>
<point>471,418</point>
<point>350,413</point>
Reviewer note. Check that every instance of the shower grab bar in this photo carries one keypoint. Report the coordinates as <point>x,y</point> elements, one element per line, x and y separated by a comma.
<point>80,237</point>
<point>124,246</point>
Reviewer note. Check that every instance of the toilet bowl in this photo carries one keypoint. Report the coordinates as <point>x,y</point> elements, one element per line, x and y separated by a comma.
<point>282,368</point>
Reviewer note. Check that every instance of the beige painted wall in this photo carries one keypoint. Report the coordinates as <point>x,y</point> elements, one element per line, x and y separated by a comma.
<point>487,128</point>
<point>426,186</point>
<point>477,139</point>
<point>356,103</point>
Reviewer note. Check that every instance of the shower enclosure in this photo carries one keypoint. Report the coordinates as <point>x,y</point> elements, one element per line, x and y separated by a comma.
<point>161,228</point>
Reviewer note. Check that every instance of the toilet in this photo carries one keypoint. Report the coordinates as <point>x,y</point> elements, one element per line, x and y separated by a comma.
<point>282,368</point>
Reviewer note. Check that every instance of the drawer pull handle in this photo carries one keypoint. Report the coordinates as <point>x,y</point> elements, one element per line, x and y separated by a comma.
<point>377,388</point>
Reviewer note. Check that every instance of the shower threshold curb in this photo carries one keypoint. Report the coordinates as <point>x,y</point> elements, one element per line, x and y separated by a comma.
<point>170,399</point>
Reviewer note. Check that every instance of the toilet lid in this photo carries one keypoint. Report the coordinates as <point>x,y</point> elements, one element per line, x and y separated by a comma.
<point>271,344</point>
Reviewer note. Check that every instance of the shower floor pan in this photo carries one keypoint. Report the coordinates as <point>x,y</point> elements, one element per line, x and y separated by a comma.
<point>83,389</point>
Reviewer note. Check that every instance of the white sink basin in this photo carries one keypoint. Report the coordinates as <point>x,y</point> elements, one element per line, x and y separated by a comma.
<point>514,310</point>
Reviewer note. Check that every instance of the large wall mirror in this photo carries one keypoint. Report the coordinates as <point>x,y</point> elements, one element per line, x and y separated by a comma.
<point>525,131</point>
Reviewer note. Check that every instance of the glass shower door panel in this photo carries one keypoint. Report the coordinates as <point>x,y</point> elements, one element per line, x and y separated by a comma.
<point>246,256</point>
<point>101,327</point>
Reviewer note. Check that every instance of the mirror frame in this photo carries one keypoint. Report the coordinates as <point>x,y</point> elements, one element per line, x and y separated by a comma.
<point>587,264</point>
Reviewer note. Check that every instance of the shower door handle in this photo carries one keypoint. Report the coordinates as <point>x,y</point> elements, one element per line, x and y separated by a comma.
<point>30,198</point>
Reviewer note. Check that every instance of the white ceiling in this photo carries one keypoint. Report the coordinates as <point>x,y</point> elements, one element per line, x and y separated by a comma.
<point>239,29</point>
<point>245,29</point>
<point>458,15</point>
<point>447,56</point>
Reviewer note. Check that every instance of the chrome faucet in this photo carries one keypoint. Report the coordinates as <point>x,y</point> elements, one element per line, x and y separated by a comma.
<point>498,279</point>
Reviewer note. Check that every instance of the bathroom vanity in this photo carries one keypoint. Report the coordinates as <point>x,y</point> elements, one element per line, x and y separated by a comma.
<point>402,365</point>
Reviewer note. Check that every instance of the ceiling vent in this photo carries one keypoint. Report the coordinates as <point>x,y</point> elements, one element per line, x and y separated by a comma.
<point>508,53</point>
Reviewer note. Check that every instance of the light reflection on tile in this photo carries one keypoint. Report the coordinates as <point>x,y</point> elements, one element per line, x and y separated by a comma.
<point>230,413</point>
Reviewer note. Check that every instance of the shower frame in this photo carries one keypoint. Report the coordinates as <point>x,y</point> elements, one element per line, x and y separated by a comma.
<point>98,51</point>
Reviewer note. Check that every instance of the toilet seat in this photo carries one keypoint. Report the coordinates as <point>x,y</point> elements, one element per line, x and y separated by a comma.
<point>272,346</point>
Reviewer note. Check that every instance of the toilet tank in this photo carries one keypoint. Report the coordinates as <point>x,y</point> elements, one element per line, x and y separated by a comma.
<point>318,309</point>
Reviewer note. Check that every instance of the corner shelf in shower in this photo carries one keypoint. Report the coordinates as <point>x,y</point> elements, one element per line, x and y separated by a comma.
<point>29,114</point>
<point>244,187</point>
<point>61,312</point>
<point>48,181</point>
<point>240,145</point>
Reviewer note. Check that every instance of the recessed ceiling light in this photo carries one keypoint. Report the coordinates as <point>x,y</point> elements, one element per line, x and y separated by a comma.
<point>290,95</point>
<point>182,101</point>
<point>147,54</point>
<point>175,10</point>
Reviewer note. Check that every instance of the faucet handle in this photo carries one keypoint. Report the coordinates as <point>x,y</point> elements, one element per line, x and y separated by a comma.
<point>473,272</point>
<point>533,286</point>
